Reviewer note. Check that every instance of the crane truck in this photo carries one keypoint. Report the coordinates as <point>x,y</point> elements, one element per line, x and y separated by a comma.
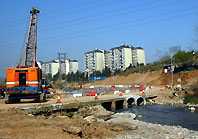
<point>25,81</point>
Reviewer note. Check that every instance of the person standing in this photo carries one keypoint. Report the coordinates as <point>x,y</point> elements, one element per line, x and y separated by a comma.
<point>2,89</point>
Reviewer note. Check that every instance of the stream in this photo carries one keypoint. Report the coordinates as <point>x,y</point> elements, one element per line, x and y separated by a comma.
<point>165,115</point>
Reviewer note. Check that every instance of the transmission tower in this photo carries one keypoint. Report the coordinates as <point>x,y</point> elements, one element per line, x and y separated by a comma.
<point>62,57</point>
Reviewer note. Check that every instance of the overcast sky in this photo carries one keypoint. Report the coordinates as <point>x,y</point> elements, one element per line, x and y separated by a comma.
<point>78,26</point>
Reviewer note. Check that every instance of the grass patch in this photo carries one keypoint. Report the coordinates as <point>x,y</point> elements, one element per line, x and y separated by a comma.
<point>192,99</point>
<point>69,114</point>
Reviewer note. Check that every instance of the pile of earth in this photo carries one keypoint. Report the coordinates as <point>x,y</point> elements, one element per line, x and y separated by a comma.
<point>17,124</point>
<point>155,78</point>
<point>88,122</point>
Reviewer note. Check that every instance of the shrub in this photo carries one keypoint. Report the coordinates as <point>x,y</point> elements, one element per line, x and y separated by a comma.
<point>192,99</point>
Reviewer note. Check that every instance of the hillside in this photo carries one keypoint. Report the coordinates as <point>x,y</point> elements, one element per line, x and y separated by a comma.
<point>155,78</point>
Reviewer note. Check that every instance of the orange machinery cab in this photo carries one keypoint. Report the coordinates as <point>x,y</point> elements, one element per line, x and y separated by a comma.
<point>25,80</point>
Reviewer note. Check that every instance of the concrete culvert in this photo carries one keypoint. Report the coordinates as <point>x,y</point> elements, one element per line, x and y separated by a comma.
<point>140,101</point>
<point>119,104</point>
<point>131,101</point>
<point>107,105</point>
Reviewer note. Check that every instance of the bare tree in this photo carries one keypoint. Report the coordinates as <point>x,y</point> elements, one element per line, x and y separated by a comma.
<point>162,55</point>
<point>193,45</point>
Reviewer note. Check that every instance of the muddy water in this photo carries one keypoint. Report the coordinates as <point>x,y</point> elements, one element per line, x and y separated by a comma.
<point>166,115</point>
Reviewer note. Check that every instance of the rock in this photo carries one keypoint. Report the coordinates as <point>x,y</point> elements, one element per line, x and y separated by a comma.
<point>30,115</point>
<point>180,133</point>
<point>77,116</point>
<point>91,119</point>
<point>97,111</point>
<point>124,115</point>
<point>73,130</point>
<point>60,116</point>
<point>85,111</point>
<point>123,123</point>
<point>123,120</point>
<point>192,109</point>
<point>139,116</point>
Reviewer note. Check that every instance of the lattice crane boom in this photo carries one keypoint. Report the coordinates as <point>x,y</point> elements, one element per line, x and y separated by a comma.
<point>31,45</point>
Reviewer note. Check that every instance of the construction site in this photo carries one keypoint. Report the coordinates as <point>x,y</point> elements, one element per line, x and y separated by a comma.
<point>33,109</point>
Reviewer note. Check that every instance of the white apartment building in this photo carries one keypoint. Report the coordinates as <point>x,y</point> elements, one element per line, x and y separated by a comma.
<point>53,67</point>
<point>118,58</point>
<point>64,67</point>
<point>73,66</point>
<point>121,57</point>
<point>138,56</point>
<point>107,56</point>
<point>94,61</point>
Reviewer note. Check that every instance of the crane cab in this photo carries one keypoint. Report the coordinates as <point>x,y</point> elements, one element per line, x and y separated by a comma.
<point>24,82</point>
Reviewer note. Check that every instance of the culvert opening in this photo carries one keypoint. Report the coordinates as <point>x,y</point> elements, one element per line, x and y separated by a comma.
<point>140,101</point>
<point>131,101</point>
<point>119,104</point>
<point>107,105</point>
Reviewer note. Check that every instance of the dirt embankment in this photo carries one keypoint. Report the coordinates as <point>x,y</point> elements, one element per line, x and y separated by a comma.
<point>16,124</point>
<point>155,78</point>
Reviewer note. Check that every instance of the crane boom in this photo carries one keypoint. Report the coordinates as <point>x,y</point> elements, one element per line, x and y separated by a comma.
<point>30,58</point>
<point>25,81</point>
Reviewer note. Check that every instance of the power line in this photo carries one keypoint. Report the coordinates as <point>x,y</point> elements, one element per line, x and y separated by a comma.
<point>131,26</point>
<point>14,22</point>
<point>16,33</point>
<point>54,11</point>
<point>110,16</point>
<point>70,35</point>
<point>82,9</point>
<point>23,23</point>
<point>117,24</point>
<point>92,17</point>
<point>121,28</point>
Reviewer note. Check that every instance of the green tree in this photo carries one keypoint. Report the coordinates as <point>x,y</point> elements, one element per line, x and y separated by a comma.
<point>48,77</point>
<point>55,77</point>
<point>106,72</point>
<point>183,57</point>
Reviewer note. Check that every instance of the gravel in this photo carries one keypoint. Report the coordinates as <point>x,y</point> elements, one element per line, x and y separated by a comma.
<point>157,131</point>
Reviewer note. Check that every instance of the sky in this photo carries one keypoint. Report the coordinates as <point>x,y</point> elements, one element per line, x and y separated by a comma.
<point>78,26</point>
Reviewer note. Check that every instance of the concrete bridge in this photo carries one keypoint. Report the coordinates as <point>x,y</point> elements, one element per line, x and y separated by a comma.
<point>109,102</point>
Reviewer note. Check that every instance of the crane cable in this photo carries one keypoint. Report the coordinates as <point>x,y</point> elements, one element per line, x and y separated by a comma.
<point>23,45</point>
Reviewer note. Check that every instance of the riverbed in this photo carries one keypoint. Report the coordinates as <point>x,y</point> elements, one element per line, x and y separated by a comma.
<point>165,115</point>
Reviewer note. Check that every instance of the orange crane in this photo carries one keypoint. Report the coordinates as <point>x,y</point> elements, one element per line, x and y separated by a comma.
<point>25,81</point>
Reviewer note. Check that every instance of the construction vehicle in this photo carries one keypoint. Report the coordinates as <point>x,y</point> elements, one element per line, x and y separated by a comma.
<point>24,81</point>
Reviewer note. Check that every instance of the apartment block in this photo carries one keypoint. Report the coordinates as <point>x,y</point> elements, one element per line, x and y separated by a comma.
<point>121,57</point>
<point>51,67</point>
<point>55,66</point>
<point>118,58</point>
<point>107,56</point>
<point>73,66</point>
<point>138,56</point>
<point>94,61</point>
<point>64,67</point>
